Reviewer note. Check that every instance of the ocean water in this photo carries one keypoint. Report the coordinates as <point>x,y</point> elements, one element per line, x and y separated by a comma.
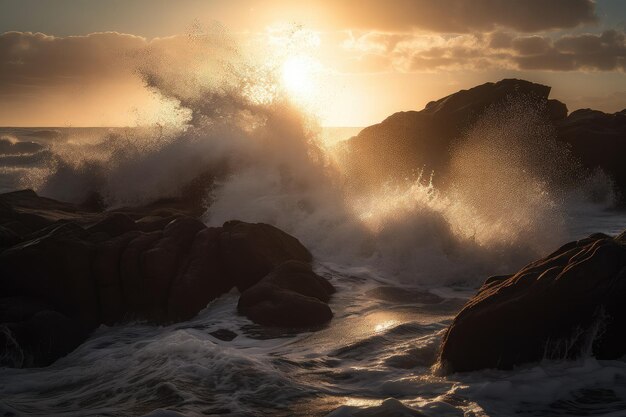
<point>404,257</point>
<point>399,286</point>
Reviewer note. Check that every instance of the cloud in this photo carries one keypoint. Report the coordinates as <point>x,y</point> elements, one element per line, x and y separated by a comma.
<point>531,45</point>
<point>34,61</point>
<point>99,78</point>
<point>500,40</point>
<point>588,52</point>
<point>462,16</point>
<point>601,52</point>
<point>30,60</point>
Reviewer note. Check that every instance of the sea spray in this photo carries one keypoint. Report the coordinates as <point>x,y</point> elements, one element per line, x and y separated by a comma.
<point>259,157</point>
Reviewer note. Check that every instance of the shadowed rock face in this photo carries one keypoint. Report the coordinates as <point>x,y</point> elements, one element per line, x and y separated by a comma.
<point>292,293</point>
<point>568,304</point>
<point>409,141</point>
<point>599,140</point>
<point>64,271</point>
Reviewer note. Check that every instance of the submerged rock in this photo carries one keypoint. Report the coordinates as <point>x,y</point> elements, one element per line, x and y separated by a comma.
<point>389,408</point>
<point>224,334</point>
<point>64,271</point>
<point>568,304</point>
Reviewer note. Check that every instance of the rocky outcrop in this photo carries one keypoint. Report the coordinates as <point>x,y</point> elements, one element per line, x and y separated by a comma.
<point>568,304</point>
<point>598,140</point>
<point>64,271</point>
<point>407,142</point>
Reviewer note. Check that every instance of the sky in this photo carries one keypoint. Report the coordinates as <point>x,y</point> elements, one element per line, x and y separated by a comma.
<point>350,62</point>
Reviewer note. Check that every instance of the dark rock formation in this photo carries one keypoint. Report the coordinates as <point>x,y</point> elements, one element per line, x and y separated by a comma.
<point>406,142</point>
<point>64,271</point>
<point>249,251</point>
<point>224,334</point>
<point>568,304</point>
<point>598,139</point>
<point>40,339</point>
<point>291,295</point>
<point>389,408</point>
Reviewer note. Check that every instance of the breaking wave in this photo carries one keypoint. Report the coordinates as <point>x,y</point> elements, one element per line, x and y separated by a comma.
<point>248,152</point>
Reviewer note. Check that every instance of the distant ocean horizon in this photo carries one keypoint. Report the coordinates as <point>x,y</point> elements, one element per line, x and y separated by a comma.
<point>330,134</point>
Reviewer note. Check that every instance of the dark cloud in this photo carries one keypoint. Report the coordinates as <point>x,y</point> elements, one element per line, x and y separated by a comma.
<point>32,61</point>
<point>462,16</point>
<point>552,61</point>
<point>595,52</point>
<point>602,52</point>
<point>500,40</point>
<point>531,45</point>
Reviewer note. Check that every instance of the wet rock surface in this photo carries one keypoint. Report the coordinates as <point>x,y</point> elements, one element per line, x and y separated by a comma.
<point>566,305</point>
<point>414,140</point>
<point>598,139</point>
<point>292,294</point>
<point>410,140</point>
<point>65,270</point>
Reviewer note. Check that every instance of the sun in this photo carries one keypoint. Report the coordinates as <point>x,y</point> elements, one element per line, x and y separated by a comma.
<point>298,74</point>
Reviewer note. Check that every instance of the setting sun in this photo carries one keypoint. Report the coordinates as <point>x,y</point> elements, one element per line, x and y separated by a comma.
<point>298,77</point>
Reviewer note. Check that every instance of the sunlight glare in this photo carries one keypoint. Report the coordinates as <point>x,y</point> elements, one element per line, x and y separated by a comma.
<point>297,77</point>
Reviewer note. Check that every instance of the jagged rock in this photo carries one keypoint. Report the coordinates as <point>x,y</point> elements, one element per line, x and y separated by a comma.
<point>55,268</point>
<point>251,251</point>
<point>556,110</point>
<point>568,304</point>
<point>202,277</point>
<point>598,140</point>
<point>39,340</point>
<point>292,295</point>
<point>87,268</point>
<point>8,237</point>
<point>410,141</point>
<point>107,276</point>
<point>114,225</point>
<point>16,309</point>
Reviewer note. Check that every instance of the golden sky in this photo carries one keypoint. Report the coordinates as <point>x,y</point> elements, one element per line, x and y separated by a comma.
<point>351,62</point>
